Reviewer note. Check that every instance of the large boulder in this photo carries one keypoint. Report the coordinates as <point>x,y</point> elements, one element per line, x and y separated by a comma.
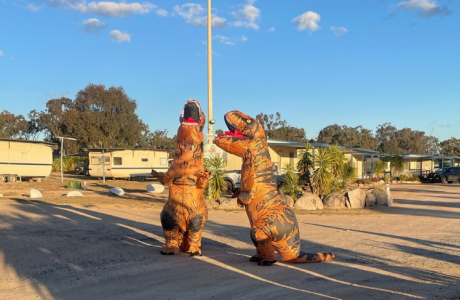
<point>335,200</point>
<point>34,194</point>
<point>117,191</point>
<point>380,195</point>
<point>370,200</point>
<point>357,198</point>
<point>74,194</point>
<point>309,201</point>
<point>155,188</point>
<point>287,199</point>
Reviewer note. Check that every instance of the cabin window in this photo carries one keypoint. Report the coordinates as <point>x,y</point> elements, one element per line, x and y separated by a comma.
<point>117,161</point>
<point>94,160</point>
<point>145,160</point>
<point>163,161</point>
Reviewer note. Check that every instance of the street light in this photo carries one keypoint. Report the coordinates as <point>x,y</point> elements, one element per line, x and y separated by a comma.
<point>62,143</point>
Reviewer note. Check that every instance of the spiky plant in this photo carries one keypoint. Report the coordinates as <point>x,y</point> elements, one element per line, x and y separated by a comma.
<point>397,164</point>
<point>216,185</point>
<point>379,167</point>
<point>291,181</point>
<point>305,165</point>
<point>323,177</point>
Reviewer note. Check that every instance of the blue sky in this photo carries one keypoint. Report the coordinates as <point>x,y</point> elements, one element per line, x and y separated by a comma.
<point>317,62</point>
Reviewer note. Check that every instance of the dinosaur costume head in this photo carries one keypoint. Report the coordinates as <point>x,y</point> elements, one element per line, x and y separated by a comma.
<point>190,133</point>
<point>244,134</point>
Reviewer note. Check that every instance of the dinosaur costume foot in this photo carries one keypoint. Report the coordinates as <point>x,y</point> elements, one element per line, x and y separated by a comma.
<point>166,253</point>
<point>196,253</point>
<point>267,262</point>
<point>255,258</point>
<point>313,257</point>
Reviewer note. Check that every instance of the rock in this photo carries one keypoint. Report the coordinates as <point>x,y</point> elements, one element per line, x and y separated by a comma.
<point>287,199</point>
<point>309,201</point>
<point>380,195</point>
<point>117,191</point>
<point>335,200</point>
<point>35,194</point>
<point>370,200</point>
<point>357,198</point>
<point>155,188</point>
<point>229,204</point>
<point>74,194</point>
<point>381,182</point>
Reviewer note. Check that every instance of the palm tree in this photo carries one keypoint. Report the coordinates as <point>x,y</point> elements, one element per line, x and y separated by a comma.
<point>305,165</point>
<point>291,180</point>
<point>216,185</point>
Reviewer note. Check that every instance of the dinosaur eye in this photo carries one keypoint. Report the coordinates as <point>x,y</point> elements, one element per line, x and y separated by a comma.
<point>248,121</point>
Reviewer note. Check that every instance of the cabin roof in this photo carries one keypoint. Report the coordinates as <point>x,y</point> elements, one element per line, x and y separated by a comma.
<point>28,141</point>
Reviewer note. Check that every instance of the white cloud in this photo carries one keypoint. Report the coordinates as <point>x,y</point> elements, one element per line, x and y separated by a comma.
<point>243,38</point>
<point>93,25</point>
<point>248,15</point>
<point>193,13</point>
<point>112,9</point>
<point>426,8</point>
<point>271,29</point>
<point>119,36</point>
<point>224,40</point>
<point>307,21</point>
<point>339,31</point>
<point>162,12</point>
<point>32,7</point>
<point>1,53</point>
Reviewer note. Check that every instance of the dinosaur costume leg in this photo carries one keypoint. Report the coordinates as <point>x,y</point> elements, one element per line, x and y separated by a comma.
<point>265,253</point>
<point>173,236</point>
<point>195,231</point>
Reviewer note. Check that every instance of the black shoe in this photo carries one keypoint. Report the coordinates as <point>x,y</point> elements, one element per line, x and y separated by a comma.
<point>164,253</point>
<point>197,253</point>
<point>255,259</point>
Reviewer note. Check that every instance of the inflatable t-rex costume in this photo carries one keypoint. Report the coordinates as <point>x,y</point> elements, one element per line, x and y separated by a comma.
<point>273,223</point>
<point>185,212</point>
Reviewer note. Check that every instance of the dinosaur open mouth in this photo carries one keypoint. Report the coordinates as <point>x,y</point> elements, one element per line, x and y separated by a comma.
<point>233,132</point>
<point>191,114</point>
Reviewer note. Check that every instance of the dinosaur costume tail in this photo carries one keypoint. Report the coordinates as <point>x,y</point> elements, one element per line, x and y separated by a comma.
<point>313,257</point>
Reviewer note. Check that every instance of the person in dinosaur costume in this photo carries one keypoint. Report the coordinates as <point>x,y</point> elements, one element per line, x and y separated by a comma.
<point>185,212</point>
<point>273,223</point>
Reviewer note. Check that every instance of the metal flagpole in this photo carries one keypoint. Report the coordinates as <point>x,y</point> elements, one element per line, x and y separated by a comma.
<point>211,121</point>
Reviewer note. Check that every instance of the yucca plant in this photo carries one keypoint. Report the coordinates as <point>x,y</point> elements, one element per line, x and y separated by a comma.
<point>379,167</point>
<point>216,185</point>
<point>397,164</point>
<point>291,182</point>
<point>322,177</point>
<point>305,165</point>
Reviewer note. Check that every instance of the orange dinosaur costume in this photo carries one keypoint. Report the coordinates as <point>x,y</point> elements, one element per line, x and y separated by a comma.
<point>185,212</point>
<point>273,223</point>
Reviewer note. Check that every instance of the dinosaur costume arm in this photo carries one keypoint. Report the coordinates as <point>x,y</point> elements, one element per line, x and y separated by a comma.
<point>202,179</point>
<point>164,178</point>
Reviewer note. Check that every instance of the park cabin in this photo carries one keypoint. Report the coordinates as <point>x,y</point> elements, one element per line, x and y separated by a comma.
<point>25,159</point>
<point>131,164</point>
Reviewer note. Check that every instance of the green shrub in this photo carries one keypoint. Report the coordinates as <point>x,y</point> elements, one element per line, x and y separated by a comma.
<point>291,182</point>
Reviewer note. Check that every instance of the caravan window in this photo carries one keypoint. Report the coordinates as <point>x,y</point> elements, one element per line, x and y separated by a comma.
<point>163,161</point>
<point>117,161</point>
<point>145,160</point>
<point>97,160</point>
<point>94,160</point>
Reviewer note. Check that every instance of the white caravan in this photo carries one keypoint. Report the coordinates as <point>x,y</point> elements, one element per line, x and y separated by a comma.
<point>128,164</point>
<point>25,159</point>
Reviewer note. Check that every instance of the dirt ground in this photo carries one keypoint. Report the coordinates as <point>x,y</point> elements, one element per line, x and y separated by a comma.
<point>101,246</point>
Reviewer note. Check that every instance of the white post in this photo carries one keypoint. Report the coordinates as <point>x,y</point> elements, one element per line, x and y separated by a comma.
<point>103,167</point>
<point>62,171</point>
<point>388,196</point>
